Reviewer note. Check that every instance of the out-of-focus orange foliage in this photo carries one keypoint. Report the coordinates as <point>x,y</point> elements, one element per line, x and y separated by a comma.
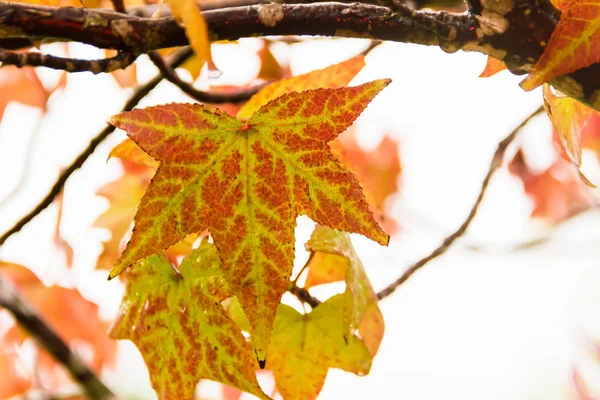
<point>21,85</point>
<point>270,68</point>
<point>72,317</point>
<point>124,196</point>
<point>14,378</point>
<point>557,192</point>
<point>378,171</point>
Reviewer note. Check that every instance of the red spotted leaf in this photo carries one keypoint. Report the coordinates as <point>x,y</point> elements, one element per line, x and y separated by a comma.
<point>246,182</point>
<point>334,76</point>
<point>361,310</point>
<point>176,320</point>
<point>304,346</point>
<point>572,46</point>
<point>492,67</point>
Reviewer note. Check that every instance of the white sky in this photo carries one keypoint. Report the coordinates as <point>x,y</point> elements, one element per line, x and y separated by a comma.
<point>493,324</point>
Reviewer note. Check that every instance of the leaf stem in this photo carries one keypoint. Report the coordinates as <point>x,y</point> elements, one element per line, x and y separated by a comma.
<point>497,161</point>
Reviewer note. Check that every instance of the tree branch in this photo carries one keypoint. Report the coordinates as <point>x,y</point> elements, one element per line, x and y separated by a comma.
<point>514,31</point>
<point>199,95</point>
<point>47,338</point>
<point>304,296</point>
<point>139,94</point>
<point>120,61</point>
<point>496,163</point>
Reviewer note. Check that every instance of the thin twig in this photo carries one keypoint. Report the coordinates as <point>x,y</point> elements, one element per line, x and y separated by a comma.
<point>46,337</point>
<point>199,95</point>
<point>120,61</point>
<point>496,163</point>
<point>303,295</point>
<point>139,94</point>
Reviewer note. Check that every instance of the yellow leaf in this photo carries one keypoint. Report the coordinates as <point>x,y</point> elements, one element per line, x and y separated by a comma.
<point>177,322</point>
<point>568,117</point>
<point>196,30</point>
<point>361,310</point>
<point>304,347</point>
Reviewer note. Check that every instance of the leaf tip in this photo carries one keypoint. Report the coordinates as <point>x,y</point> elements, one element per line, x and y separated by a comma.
<point>262,363</point>
<point>531,82</point>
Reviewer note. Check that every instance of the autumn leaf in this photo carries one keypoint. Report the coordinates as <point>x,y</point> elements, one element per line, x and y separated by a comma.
<point>377,171</point>
<point>557,192</point>
<point>196,30</point>
<point>246,182</point>
<point>568,117</point>
<point>571,46</point>
<point>15,381</point>
<point>177,322</point>
<point>334,76</point>
<point>129,151</point>
<point>74,318</point>
<point>304,347</point>
<point>270,68</point>
<point>124,196</point>
<point>23,86</point>
<point>361,310</point>
<point>492,67</point>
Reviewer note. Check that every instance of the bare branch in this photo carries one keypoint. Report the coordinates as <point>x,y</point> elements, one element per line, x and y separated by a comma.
<point>303,295</point>
<point>496,163</point>
<point>141,35</point>
<point>202,96</point>
<point>120,61</point>
<point>139,94</point>
<point>49,340</point>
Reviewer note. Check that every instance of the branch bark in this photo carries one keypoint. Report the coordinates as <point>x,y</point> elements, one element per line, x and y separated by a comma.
<point>49,340</point>
<point>120,61</point>
<point>514,31</point>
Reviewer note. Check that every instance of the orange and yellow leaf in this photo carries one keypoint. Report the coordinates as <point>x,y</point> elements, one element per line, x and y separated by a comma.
<point>572,46</point>
<point>177,322</point>
<point>196,30</point>
<point>361,310</point>
<point>246,182</point>
<point>568,117</point>
<point>129,151</point>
